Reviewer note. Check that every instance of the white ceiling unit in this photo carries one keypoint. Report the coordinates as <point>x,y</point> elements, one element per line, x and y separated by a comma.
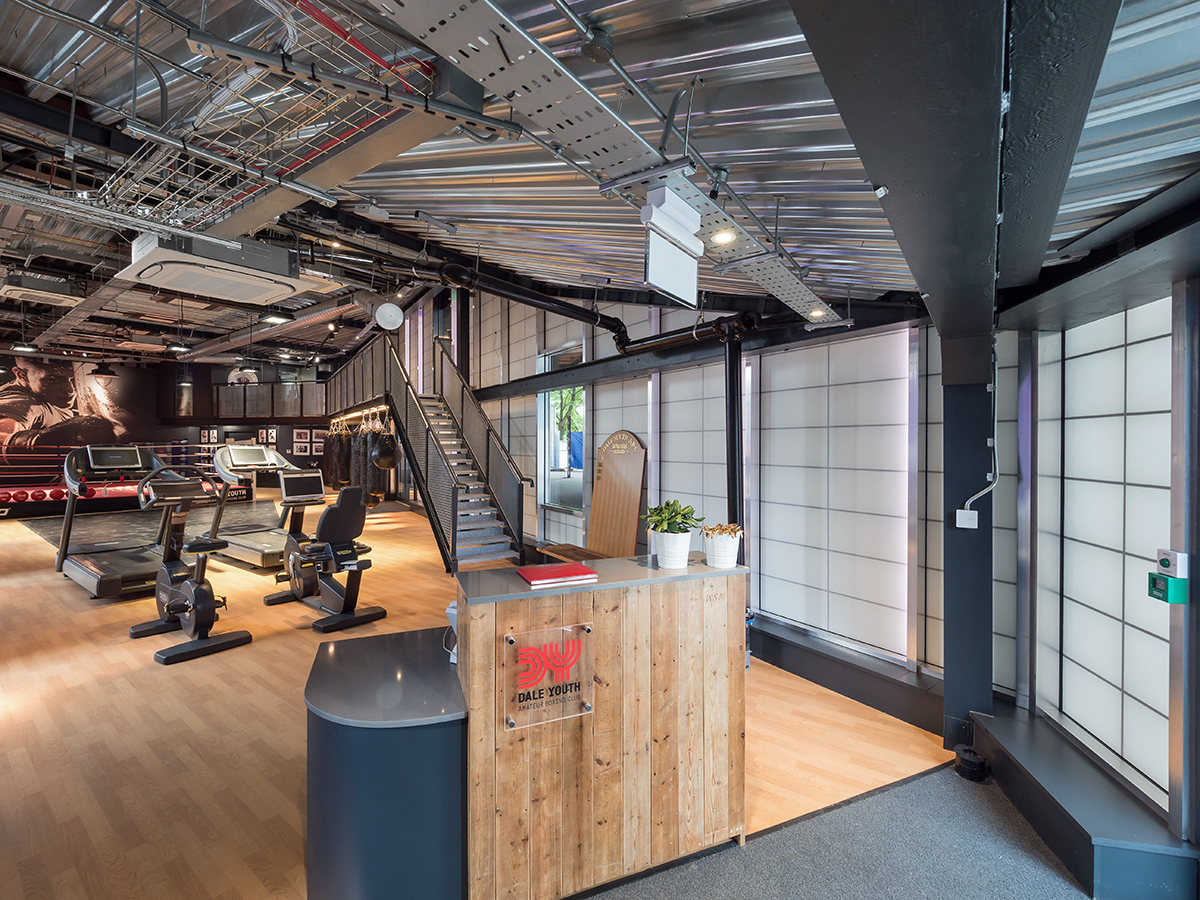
<point>31,289</point>
<point>251,272</point>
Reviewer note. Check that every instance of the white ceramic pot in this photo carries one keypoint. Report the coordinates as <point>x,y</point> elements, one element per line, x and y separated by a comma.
<point>721,550</point>
<point>672,549</point>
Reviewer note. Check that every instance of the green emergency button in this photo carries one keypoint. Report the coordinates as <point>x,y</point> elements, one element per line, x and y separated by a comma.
<point>1167,588</point>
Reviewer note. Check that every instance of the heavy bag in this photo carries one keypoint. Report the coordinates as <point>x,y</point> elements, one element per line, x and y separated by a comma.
<point>329,460</point>
<point>356,473</point>
<point>384,454</point>
<point>344,458</point>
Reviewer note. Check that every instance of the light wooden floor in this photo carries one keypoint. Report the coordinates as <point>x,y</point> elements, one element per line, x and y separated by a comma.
<point>120,778</point>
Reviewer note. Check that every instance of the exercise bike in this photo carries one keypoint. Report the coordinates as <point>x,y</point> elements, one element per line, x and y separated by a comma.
<point>185,599</point>
<point>312,563</point>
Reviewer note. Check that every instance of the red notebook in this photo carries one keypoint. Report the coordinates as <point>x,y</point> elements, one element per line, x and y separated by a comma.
<point>557,573</point>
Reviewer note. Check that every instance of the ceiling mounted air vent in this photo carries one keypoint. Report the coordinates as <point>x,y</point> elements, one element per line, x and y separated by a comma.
<point>31,289</point>
<point>249,273</point>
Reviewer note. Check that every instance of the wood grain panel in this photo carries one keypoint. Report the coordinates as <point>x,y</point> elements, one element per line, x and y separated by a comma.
<point>716,711</point>
<point>691,716</point>
<point>608,720</point>
<point>736,588</point>
<point>636,741</point>
<point>664,721</point>
<point>578,766</point>
<point>513,871</point>
<point>545,778</point>
<point>477,675</point>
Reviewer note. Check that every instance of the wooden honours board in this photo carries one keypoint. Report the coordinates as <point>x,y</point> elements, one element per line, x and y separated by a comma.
<point>653,772</point>
<point>613,523</point>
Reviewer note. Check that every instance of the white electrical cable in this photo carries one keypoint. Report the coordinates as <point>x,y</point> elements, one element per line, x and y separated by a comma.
<point>995,459</point>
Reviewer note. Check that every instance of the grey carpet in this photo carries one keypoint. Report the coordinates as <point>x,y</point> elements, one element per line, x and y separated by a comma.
<point>938,836</point>
<point>142,524</point>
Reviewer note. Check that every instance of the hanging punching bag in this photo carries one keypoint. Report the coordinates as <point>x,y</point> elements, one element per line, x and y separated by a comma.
<point>329,460</point>
<point>356,472</point>
<point>374,479</point>
<point>383,456</point>
<point>343,457</point>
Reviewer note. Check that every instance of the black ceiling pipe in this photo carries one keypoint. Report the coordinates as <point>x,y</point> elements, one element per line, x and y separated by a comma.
<point>725,328</point>
<point>462,276</point>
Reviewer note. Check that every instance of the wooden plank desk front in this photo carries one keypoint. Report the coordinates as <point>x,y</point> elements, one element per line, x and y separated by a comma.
<point>654,771</point>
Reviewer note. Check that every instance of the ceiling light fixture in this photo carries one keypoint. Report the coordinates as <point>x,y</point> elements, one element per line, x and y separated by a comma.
<point>816,313</point>
<point>724,237</point>
<point>22,347</point>
<point>435,221</point>
<point>276,317</point>
<point>103,371</point>
<point>840,323</point>
<point>177,347</point>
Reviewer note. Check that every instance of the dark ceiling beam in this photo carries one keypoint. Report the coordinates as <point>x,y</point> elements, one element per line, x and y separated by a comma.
<point>918,84</point>
<point>1056,49</point>
<point>1159,205</point>
<point>877,315</point>
<point>47,117</point>
<point>1136,268</point>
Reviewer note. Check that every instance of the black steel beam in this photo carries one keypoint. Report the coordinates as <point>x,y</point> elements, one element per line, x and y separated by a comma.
<point>918,85</point>
<point>1136,268</point>
<point>616,367</point>
<point>1056,48</point>
<point>43,115</point>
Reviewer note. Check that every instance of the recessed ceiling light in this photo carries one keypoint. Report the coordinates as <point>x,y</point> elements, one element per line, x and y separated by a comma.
<point>724,237</point>
<point>816,313</point>
<point>335,245</point>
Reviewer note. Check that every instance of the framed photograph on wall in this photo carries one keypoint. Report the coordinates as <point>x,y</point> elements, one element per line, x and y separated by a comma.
<point>318,434</point>
<point>300,449</point>
<point>262,435</point>
<point>318,448</point>
<point>301,434</point>
<point>272,436</point>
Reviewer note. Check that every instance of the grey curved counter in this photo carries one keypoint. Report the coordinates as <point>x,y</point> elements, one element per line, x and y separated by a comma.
<point>386,769</point>
<point>385,681</point>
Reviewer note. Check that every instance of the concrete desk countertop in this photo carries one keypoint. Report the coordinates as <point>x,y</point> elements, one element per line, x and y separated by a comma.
<point>497,585</point>
<point>385,681</point>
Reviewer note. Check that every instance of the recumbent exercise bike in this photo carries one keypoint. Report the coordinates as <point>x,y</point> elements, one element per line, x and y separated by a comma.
<point>312,563</point>
<point>185,599</point>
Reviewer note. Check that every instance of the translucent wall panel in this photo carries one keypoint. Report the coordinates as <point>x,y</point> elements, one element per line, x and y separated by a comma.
<point>929,487</point>
<point>692,428</point>
<point>1004,519</point>
<point>1049,518</point>
<point>834,485</point>
<point>1115,515</point>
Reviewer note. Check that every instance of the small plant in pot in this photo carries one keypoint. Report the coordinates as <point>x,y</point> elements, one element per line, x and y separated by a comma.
<point>672,525</point>
<point>721,545</point>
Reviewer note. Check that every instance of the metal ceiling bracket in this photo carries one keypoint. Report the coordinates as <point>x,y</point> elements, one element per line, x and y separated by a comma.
<point>645,179</point>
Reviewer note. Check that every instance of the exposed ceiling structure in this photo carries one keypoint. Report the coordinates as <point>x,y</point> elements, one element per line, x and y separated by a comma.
<point>361,135</point>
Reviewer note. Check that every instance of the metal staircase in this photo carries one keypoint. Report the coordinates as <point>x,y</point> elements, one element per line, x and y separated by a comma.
<point>482,535</point>
<point>470,486</point>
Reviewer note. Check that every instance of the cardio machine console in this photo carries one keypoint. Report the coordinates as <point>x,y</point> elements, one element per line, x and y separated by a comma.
<point>301,488</point>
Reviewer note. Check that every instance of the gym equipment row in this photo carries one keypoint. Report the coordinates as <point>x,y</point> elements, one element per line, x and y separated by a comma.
<point>183,595</point>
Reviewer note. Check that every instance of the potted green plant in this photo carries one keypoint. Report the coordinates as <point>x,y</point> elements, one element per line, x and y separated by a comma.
<point>721,545</point>
<point>672,524</point>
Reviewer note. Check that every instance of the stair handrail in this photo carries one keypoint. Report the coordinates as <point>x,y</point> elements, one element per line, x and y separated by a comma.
<point>446,537</point>
<point>444,367</point>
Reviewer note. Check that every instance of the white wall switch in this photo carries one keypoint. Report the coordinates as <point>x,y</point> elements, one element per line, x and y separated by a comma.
<point>966,518</point>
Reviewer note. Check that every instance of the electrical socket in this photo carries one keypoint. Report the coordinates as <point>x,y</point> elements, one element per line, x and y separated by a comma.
<point>966,518</point>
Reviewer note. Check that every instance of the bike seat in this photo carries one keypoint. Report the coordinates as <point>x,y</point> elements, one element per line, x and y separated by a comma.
<point>203,545</point>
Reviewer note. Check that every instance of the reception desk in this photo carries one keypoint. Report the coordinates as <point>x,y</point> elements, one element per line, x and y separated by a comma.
<point>605,724</point>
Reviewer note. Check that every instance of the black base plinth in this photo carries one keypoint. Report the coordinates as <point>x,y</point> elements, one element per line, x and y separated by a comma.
<point>339,621</point>
<point>157,626</point>
<point>195,649</point>
<point>281,597</point>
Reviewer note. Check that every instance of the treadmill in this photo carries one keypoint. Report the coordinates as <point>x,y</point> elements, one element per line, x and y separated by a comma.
<point>258,545</point>
<point>109,568</point>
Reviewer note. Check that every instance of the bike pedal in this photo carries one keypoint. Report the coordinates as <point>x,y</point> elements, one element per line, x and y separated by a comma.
<point>281,577</point>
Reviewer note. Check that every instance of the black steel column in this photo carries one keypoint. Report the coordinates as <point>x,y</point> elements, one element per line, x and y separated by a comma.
<point>462,297</point>
<point>967,573</point>
<point>735,491</point>
<point>1183,811</point>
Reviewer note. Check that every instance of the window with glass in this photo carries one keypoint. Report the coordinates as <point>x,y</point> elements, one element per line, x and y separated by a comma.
<point>561,431</point>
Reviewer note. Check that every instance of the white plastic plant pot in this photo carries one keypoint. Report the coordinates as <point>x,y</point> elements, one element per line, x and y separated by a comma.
<point>721,550</point>
<point>672,549</point>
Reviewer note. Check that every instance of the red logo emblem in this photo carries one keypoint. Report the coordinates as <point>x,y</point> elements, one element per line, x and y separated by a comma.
<point>547,658</point>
